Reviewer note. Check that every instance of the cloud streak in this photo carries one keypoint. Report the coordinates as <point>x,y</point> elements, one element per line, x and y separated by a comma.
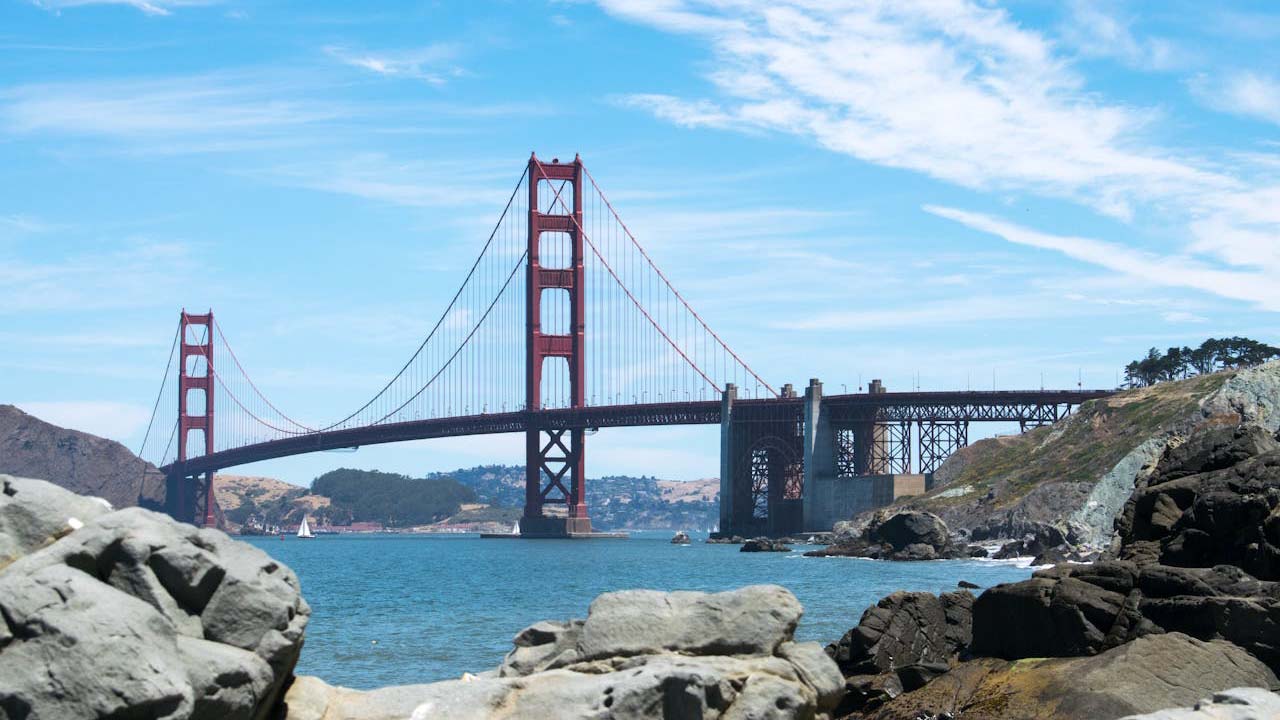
<point>150,7</point>
<point>963,93</point>
<point>958,91</point>
<point>191,112</point>
<point>431,64</point>
<point>1259,288</point>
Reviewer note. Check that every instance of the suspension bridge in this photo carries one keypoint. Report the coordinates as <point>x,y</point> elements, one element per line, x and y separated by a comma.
<point>607,342</point>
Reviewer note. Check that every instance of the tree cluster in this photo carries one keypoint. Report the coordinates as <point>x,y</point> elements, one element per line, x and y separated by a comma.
<point>1212,355</point>
<point>390,498</point>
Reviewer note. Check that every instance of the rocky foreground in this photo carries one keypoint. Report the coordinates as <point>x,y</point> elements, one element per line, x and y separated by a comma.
<point>638,654</point>
<point>1186,605</point>
<point>128,614</point>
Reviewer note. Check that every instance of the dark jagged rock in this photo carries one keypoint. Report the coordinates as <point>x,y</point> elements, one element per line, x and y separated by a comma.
<point>764,544</point>
<point>901,643</point>
<point>1213,500</point>
<point>906,535</point>
<point>906,628</point>
<point>1054,617</point>
<point>968,585</point>
<point>1188,602</point>
<point>1084,609</point>
<point>910,528</point>
<point>976,551</point>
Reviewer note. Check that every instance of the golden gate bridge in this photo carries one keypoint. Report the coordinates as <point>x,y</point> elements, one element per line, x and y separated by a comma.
<point>608,341</point>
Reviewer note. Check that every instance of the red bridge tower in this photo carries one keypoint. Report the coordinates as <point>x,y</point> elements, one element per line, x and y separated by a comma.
<point>554,458</point>
<point>187,496</point>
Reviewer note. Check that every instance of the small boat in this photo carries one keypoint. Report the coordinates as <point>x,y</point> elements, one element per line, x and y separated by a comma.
<point>515,529</point>
<point>304,530</point>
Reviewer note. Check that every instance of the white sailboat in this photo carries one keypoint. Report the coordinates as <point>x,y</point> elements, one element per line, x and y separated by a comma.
<point>304,530</point>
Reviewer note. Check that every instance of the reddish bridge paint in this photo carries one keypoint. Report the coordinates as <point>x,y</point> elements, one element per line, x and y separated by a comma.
<point>608,342</point>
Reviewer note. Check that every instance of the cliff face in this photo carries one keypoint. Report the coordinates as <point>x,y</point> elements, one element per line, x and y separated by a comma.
<point>80,462</point>
<point>1081,470</point>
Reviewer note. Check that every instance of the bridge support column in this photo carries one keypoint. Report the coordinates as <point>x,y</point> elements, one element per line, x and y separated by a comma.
<point>727,474</point>
<point>819,454</point>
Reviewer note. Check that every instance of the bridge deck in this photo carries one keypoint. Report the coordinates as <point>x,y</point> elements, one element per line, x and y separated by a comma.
<point>1010,406</point>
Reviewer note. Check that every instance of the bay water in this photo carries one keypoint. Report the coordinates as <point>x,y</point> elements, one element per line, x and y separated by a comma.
<point>401,609</point>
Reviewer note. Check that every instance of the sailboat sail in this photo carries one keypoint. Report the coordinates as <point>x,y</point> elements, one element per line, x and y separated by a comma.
<point>304,530</point>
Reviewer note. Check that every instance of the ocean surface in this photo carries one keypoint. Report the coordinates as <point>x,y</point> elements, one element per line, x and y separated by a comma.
<point>400,609</point>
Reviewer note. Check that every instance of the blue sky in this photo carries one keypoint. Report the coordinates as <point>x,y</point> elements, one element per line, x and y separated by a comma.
<point>945,189</point>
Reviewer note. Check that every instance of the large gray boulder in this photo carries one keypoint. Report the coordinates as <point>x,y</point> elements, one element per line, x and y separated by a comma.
<point>43,513</point>
<point>639,654</point>
<point>753,620</point>
<point>131,614</point>
<point>1247,703</point>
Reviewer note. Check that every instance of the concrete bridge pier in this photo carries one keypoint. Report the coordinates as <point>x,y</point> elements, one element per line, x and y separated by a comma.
<point>727,495</point>
<point>800,464</point>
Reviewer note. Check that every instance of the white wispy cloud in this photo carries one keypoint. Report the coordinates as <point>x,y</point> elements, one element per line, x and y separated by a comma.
<point>1258,287</point>
<point>136,273</point>
<point>188,113</point>
<point>1183,317</point>
<point>1101,30</point>
<point>432,64</point>
<point>411,183</point>
<point>25,224</point>
<point>1245,93</point>
<point>958,90</point>
<point>975,309</point>
<point>962,92</point>
<point>150,7</point>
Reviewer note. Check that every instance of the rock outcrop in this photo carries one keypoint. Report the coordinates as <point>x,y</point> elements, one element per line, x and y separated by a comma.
<point>1187,603</point>
<point>77,461</point>
<point>1145,675</point>
<point>764,544</point>
<point>895,535</point>
<point>130,614</point>
<point>638,654</point>
<point>1198,553</point>
<point>1212,500</point>
<point>900,644</point>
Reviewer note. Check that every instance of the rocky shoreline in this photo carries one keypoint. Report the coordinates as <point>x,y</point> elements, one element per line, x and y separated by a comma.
<point>126,613</point>
<point>1185,605</point>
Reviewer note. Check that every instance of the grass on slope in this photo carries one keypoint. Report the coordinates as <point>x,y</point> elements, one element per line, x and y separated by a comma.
<point>1082,448</point>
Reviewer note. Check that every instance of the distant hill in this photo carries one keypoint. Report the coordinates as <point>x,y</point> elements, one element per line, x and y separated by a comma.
<point>390,498</point>
<point>250,503</point>
<point>80,462</point>
<point>616,503</point>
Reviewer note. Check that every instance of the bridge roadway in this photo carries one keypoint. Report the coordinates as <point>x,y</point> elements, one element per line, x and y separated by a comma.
<point>949,406</point>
